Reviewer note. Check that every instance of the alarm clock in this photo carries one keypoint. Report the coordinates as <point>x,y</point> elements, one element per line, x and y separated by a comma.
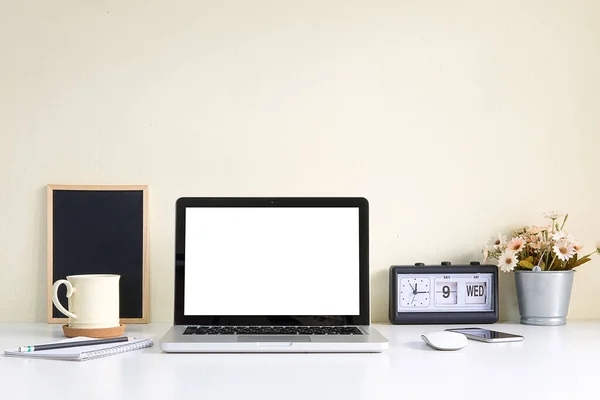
<point>443,294</point>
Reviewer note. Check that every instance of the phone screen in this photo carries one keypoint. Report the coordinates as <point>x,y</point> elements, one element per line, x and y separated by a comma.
<point>485,333</point>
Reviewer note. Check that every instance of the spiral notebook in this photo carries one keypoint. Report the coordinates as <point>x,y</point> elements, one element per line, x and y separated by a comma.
<point>84,353</point>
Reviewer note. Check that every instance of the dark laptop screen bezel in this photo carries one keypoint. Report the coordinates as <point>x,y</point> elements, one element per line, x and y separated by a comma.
<point>316,320</point>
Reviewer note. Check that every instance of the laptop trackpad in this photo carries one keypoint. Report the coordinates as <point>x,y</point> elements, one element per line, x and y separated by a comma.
<point>273,339</point>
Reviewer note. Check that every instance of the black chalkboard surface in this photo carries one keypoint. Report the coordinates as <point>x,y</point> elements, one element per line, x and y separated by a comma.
<point>99,230</point>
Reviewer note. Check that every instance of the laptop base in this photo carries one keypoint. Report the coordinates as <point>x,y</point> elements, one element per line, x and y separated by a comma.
<point>371,341</point>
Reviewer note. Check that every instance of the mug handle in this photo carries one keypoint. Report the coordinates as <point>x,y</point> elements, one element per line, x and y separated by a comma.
<point>70,291</point>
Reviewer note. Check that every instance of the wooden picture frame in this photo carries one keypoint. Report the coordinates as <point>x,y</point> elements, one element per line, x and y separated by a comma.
<point>99,229</point>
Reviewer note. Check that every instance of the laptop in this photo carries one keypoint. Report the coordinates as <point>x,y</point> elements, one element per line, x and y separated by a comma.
<point>272,274</point>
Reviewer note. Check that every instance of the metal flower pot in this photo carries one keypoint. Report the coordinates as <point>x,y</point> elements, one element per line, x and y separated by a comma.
<point>544,296</point>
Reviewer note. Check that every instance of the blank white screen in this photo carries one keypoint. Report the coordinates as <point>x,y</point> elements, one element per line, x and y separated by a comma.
<point>271,261</point>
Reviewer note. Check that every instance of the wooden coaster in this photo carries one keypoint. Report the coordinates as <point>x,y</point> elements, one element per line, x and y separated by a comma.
<point>94,333</point>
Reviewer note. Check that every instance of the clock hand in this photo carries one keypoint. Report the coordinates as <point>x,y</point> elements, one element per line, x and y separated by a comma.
<point>415,290</point>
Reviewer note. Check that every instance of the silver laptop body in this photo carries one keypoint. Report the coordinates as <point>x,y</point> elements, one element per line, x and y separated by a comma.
<point>272,275</point>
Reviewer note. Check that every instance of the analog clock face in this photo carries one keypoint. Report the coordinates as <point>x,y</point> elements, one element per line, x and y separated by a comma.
<point>414,292</point>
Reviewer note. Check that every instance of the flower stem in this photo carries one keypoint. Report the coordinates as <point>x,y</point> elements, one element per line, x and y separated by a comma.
<point>564,221</point>
<point>552,262</point>
<point>587,255</point>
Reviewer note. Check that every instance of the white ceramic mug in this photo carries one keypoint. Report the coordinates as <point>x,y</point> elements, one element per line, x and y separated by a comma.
<point>93,300</point>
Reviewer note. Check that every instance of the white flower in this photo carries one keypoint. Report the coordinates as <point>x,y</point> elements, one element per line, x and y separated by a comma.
<point>551,215</point>
<point>500,243</point>
<point>516,244</point>
<point>562,235</point>
<point>563,250</point>
<point>507,261</point>
<point>486,253</point>
<point>534,230</point>
<point>576,246</point>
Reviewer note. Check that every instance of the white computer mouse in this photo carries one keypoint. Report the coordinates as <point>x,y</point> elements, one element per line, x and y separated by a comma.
<point>444,340</point>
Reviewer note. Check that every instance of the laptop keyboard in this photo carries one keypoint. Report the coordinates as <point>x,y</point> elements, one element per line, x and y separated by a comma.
<point>272,330</point>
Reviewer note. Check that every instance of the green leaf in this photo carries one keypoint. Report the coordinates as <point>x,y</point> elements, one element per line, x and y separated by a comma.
<point>582,261</point>
<point>526,264</point>
<point>572,261</point>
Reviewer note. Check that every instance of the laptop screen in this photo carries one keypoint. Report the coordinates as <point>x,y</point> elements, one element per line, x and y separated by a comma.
<point>246,261</point>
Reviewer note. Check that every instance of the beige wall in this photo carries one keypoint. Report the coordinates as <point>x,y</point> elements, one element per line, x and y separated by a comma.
<point>456,119</point>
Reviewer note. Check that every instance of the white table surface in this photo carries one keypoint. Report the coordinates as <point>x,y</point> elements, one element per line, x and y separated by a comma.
<point>551,363</point>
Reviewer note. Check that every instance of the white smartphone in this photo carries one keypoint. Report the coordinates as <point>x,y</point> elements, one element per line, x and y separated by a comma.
<point>487,335</point>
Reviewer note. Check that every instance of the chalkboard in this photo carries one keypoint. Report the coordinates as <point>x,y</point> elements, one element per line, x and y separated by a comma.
<point>99,230</point>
